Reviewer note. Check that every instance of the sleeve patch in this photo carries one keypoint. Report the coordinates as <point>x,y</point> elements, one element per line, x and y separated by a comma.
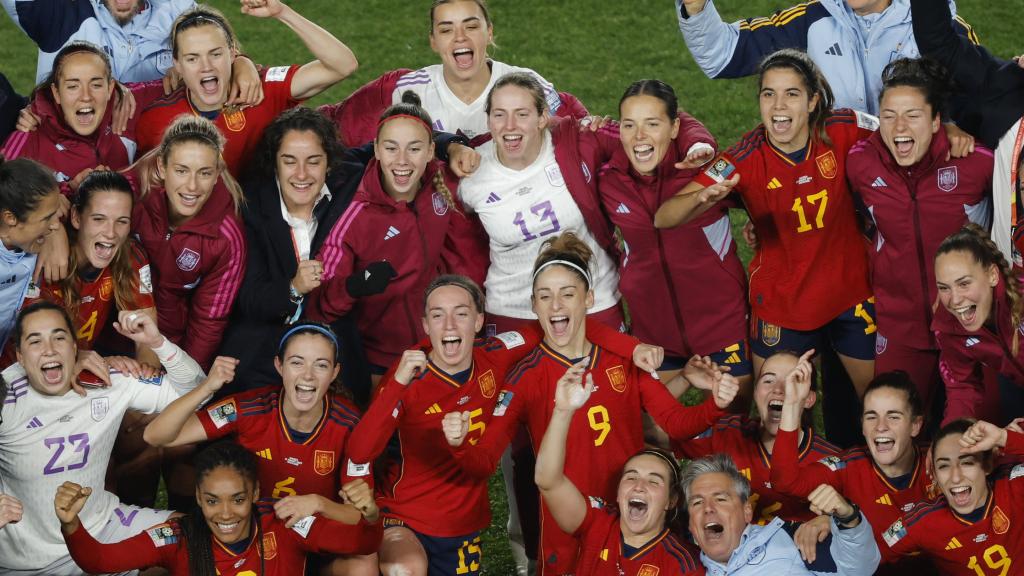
<point>720,170</point>
<point>223,413</point>
<point>145,280</point>
<point>355,470</point>
<point>302,527</point>
<point>1017,472</point>
<point>834,463</point>
<point>277,74</point>
<point>162,535</point>
<point>866,121</point>
<point>504,399</point>
<point>894,533</point>
<point>511,339</point>
<point>595,502</point>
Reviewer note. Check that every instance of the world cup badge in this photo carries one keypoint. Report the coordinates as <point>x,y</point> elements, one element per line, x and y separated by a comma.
<point>99,408</point>
<point>947,178</point>
<point>323,462</point>
<point>617,378</point>
<point>827,165</point>
<point>487,384</point>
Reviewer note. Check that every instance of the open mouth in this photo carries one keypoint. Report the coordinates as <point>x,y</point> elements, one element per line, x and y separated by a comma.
<point>104,250</point>
<point>85,116</point>
<point>302,187</point>
<point>53,372</point>
<point>559,325</point>
<point>713,532</point>
<point>774,411</point>
<point>209,85</point>
<point>305,393</point>
<point>884,444</point>
<point>463,58</point>
<point>637,508</point>
<point>904,145</point>
<point>512,142</point>
<point>189,200</point>
<point>227,528</point>
<point>781,124</point>
<point>966,314</point>
<point>450,345</point>
<point>643,152</point>
<point>402,177</point>
<point>961,496</point>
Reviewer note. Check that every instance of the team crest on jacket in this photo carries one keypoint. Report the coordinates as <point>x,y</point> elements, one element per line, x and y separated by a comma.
<point>323,462</point>
<point>648,570</point>
<point>99,408</point>
<point>440,204</point>
<point>880,343</point>
<point>947,178</point>
<point>106,288</point>
<point>827,165</point>
<point>269,546</point>
<point>770,334</point>
<point>234,119</point>
<point>187,260</point>
<point>487,384</point>
<point>617,378</point>
<point>1000,521</point>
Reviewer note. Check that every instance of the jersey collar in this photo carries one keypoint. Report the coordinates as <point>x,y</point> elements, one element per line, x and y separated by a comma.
<point>913,476</point>
<point>595,352</point>
<point>316,429</point>
<point>446,378</point>
<point>989,503</point>
<point>639,551</point>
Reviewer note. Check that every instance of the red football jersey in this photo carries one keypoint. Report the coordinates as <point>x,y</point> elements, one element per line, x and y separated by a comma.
<point>242,129</point>
<point>602,552</point>
<point>275,551</point>
<point>856,476</point>
<point>740,438</point>
<point>96,296</point>
<point>317,465</point>
<point>604,433</point>
<point>811,263</point>
<point>985,544</point>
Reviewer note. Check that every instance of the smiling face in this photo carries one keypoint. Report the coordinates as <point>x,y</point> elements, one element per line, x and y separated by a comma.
<point>308,368</point>
<point>226,498</point>
<point>301,169</point>
<point>516,126</point>
<point>403,148</point>
<point>204,61</point>
<point>906,124</point>
<point>646,132</point>
<point>965,287</point>
<point>717,515</point>
<point>786,106</point>
<point>962,477</point>
<point>30,233</point>
<point>103,226</point>
<point>644,496</point>
<point>460,35</point>
<point>451,322</point>
<point>123,10</point>
<point>82,90</point>
<point>47,352</point>
<point>189,173</point>
<point>560,301</point>
<point>890,427</point>
<point>770,391</point>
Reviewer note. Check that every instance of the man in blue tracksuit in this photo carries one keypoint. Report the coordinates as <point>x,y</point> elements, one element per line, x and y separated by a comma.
<point>135,33</point>
<point>850,40</point>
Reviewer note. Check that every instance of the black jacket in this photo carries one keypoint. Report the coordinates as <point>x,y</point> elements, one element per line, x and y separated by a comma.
<point>10,104</point>
<point>991,97</point>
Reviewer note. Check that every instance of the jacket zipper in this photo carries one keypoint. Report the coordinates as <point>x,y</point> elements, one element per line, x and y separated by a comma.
<point>920,249</point>
<point>673,296</point>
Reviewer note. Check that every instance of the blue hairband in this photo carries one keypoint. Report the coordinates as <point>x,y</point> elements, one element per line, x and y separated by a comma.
<point>306,328</point>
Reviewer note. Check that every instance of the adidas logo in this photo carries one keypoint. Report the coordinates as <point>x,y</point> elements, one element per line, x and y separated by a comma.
<point>434,409</point>
<point>34,423</point>
<point>265,454</point>
<point>774,184</point>
<point>734,357</point>
<point>392,232</point>
<point>879,183</point>
<point>884,500</point>
<point>972,341</point>
<point>954,544</point>
<point>834,50</point>
<point>746,473</point>
<point>622,209</point>
<point>493,198</point>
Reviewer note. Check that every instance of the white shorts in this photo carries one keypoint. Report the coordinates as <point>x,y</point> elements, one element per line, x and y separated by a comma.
<point>125,522</point>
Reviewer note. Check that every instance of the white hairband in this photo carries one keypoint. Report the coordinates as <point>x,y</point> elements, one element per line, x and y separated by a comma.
<point>576,267</point>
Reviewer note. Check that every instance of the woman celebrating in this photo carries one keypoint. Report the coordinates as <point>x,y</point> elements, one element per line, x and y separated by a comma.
<point>711,319</point>
<point>902,171</point>
<point>186,217</point>
<point>204,47</point>
<point>970,526</point>
<point>634,536</point>
<point>977,324</point>
<point>29,212</point>
<point>229,531</point>
<point>612,431</point>
<point>454,91</point>
<point>435,511</point>
<point>299,427</point>
<point>808,278</point>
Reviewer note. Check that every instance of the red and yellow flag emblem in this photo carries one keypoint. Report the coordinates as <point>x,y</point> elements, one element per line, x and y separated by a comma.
<point>323,462</point>
<point>487,384</point>
<point>269,546</point>
<point>617,378</point>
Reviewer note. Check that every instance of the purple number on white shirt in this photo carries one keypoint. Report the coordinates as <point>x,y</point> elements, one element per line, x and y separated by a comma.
<point>544,211</point>
<point>78,442</point>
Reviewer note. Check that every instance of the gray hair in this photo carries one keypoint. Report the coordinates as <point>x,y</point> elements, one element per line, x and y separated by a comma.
<point>716,464</point>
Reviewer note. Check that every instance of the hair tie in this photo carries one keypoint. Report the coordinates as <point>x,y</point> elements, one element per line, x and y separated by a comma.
<point>409,116</point>
<point>566,263</point>
<point>673,466</point>
<point>326,332</point>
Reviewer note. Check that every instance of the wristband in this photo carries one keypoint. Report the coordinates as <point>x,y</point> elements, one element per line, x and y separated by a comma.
<point>850,517</point>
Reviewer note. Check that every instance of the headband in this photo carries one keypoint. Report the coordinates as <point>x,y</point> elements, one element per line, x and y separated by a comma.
<point>409,116</point>
<point>566,263</point>
<point>326,332</point>
<point>673,466</point>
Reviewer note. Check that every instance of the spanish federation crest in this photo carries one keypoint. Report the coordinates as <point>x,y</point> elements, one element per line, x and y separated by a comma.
<point>881,342</point>
<point>269,546</point>
<point>99,408</point>
<point>617,378</point>
<point>440,204</point>
<point>648,570</point>
<point>770,334</point>
<point>487,384</point>
<point>1000,521</point>
<point>187,260</point>
<point>947,178</point>
<point>827,165</point>
<point>234,119</point>
<point>323,462</point>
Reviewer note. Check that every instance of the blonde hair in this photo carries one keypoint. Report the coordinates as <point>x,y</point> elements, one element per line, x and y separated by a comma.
<point>187,129</point>
<point>568,251</point>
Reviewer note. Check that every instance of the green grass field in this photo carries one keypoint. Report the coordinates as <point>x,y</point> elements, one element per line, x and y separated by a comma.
<point>593,49</point>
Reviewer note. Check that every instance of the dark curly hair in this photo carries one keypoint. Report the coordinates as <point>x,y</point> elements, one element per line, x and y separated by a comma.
<point>299,119</point>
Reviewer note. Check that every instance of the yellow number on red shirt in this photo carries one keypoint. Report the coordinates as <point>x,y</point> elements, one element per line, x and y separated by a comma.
<point>281,489</point>
<point>88,329</point>
<point>602,425</point>
<point>478,425</point>
<point>996,558</point>
<point>821,201</point>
